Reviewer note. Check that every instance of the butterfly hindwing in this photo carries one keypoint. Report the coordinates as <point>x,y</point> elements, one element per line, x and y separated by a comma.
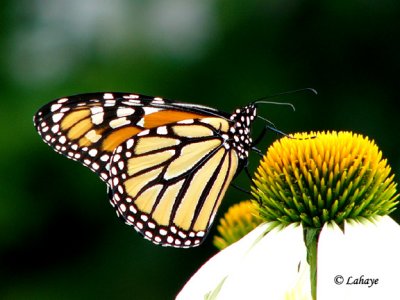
<point>169,182</point>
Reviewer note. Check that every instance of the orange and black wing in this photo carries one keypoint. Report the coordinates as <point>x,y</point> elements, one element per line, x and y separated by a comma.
<point>167,164</point>
<point>88,127</point>
<point>168,182</point>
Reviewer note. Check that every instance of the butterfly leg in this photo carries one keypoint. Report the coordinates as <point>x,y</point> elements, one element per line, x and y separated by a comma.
<point>264,131</point>
<point>241,189</point>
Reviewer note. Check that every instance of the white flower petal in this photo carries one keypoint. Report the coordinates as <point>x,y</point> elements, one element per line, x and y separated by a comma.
<point>214,271</point>
<point>365,249</point>
<point>271,269</point>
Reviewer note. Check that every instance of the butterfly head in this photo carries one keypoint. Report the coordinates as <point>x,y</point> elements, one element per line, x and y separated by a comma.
<point>240,131</point>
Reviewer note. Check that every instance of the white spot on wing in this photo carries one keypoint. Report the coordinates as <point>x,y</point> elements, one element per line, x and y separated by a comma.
<point>162,130</point>
<point>132,209</point>
<point>150,110</point>
<point>108,96</point>
<point>109,102</point>
<point>129,144</point>
<point>62,100</point>
<point>55,128</point>
<point>158,100</point>
<point>140,123</point>
<point>57,117</point>
<point>64,109</point>
<point>125,111</point>
<point>96,109</point>
<point>55,107</point>
<point>97,118</point>
<point>188,121</point>
<point>131,96</point>
<point>104,157</point>
<point>62,140</point>
<point>92,152</point>
<point>144,132</point>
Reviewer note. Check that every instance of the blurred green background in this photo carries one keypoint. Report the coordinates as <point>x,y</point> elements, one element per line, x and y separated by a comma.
<point>59,237</point>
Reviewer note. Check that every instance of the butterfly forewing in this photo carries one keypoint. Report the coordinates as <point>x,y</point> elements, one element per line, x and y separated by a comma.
<point>167,164</point>
<point>87,128</point>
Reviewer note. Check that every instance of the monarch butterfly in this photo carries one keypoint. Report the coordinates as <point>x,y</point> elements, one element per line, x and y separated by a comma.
<point>167,164</point>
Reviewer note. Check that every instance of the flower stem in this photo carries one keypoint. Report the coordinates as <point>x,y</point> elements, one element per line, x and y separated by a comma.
<point>311,239</point>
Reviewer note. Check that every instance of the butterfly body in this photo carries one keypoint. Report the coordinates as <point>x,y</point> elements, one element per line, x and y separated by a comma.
<point>167,164</point>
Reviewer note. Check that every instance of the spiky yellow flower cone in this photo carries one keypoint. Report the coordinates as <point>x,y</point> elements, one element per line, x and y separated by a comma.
<point>322,177</point>
<point>324,199</point>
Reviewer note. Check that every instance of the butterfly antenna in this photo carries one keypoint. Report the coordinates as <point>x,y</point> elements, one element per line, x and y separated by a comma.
<point>271,126</point>
<point>282,94</point>
<point>275,103</point>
